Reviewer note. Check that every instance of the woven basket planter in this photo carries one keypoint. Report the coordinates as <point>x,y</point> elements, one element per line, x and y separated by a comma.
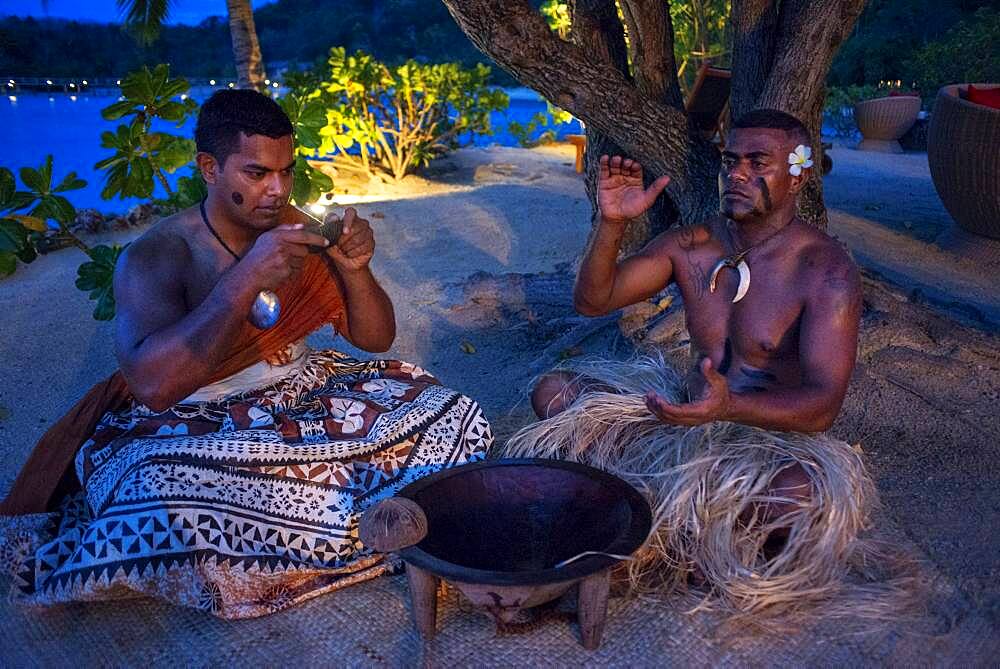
<point>883,121</point>
<point>963,151</point>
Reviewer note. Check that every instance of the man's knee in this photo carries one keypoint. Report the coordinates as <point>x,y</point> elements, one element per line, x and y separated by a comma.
<point>553,393</point>
<point>793,484</point>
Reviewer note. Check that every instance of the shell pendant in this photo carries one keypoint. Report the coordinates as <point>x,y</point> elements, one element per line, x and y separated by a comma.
<point>738,263</point>
<point>265,310</point>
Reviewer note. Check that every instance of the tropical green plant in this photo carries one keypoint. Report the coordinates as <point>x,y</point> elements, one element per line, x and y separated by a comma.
<point>701,32</point>
<point>308,117</point>
<point>968,53</point>
<point>188,191</point>
<point>382,120</point>
<point>22,234</point>
<point>544,124</point>
<point>140,154</point>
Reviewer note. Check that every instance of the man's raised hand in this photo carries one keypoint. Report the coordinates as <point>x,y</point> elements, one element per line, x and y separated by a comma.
<point>620,192</point>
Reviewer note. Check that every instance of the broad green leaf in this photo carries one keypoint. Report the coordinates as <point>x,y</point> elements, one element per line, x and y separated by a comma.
<point>30,222</point>
<point>159,78</point>
<point>69,182</point>
<point>97,278</point>
<point>15,232</point>
<point>140,179</point>
<point>109,140</point>
<point>8,243</point>
<point>290,105</point>
<point>32,178</point>
<point>108,162</point>
<point>45,171</point>
<point>106,255</point>
<point>307,138</point>
<point>150,141</point>
<point>117,110</point>
<point>172,111</point>
<point>116,180</point>
<point>302,185</point>
<point>7,187</point>
<point>8,263</point>
<point>61,208</point>
<point>175,153</point>
<point>137,86</point>
<point>105,309</point>
<point>174,88</point>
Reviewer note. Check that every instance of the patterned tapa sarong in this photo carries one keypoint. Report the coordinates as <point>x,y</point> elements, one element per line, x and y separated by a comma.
<point>246,505</point>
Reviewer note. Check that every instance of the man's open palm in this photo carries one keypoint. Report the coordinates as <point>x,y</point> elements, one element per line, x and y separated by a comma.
<point>620,192</point>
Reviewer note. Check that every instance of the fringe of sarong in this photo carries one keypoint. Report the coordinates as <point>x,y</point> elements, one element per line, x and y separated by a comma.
<point>707,486</point>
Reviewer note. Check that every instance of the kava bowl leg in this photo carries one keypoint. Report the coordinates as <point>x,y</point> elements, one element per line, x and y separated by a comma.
<point>592,607</point>
<point>423,598</point>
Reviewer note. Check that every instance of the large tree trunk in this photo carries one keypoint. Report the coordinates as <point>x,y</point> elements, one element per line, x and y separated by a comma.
<point>246,49</point>
<point>782,52</point>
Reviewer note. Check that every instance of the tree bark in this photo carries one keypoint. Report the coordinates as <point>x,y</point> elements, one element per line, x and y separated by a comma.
<point>782,53</point>
<point>596,29</point>
<point>246,48</point>
<point>651,45</point>
<point>514,35</point>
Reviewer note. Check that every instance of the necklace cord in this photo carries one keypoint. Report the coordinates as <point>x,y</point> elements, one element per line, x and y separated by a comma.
<point>204,217</point>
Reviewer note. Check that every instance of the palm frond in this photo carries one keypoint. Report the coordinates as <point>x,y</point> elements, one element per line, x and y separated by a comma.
<point>144,18</point>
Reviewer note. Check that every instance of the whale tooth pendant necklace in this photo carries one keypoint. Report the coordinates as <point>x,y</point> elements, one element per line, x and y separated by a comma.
<point>739,263</point>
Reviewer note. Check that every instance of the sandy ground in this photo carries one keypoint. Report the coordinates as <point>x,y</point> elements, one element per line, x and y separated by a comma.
<point>923,400</point>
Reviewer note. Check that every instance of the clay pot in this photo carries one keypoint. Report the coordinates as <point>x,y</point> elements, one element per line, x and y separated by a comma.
<point>884,120</point>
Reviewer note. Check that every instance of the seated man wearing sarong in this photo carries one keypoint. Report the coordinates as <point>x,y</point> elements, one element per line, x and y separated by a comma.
<point>772,306</point>
<point>225,466</point>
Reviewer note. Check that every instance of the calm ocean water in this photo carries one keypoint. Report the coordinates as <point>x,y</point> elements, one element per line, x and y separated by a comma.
<point>34,125</point>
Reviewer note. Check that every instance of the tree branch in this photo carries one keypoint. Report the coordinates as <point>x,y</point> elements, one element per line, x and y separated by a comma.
<point>595,28</point>
<point>517,38</point>
<point>651,44</point>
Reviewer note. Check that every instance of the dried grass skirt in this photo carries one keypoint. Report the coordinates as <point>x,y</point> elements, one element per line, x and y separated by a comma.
<point>708,487</point>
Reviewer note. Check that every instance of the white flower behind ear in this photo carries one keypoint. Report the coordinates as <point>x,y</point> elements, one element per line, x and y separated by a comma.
<point>800,160</point>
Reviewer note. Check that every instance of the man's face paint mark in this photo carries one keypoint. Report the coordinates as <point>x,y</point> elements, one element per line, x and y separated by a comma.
<point>237,198</point>
<point>766,193</point>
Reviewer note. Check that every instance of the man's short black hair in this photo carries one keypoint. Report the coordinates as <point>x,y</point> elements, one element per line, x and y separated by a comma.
<point>229,112</point>
<point>778,120</point>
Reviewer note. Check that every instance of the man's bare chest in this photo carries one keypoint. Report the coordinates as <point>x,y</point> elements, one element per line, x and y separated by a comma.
<point>204,269</point>
<point>761,327</point>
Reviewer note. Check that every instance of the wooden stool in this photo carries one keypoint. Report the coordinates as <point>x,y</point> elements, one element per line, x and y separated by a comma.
<point>580,142</point>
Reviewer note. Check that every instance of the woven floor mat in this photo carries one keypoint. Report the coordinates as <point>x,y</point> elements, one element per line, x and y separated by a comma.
<point>370,625</point>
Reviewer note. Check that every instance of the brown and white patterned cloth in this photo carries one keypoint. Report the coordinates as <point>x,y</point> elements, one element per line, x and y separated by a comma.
<point>247,503</point>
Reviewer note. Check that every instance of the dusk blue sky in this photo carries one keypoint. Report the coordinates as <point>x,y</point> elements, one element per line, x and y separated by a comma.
<point>106,11</point>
